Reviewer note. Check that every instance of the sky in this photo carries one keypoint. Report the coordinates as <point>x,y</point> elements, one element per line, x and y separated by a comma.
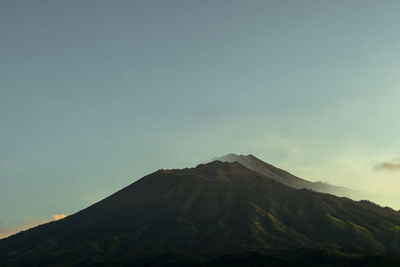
<point>96,94</point>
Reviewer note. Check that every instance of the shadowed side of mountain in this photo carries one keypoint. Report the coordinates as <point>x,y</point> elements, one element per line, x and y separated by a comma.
<point>202,213</point>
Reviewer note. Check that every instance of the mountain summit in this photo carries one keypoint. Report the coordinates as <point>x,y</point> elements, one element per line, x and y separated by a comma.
<point>289,179</point>
<point>268,170</point>
<point>201,214</point>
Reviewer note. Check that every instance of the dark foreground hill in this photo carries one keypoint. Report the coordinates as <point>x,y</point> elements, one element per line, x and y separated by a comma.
<point>217,214</point>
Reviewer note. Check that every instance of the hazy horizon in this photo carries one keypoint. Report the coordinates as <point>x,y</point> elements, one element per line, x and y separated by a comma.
<point>96,94</point>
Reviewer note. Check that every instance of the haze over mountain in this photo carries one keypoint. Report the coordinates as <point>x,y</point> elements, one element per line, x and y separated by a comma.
<point>201,215</point>
<point>289,179</point>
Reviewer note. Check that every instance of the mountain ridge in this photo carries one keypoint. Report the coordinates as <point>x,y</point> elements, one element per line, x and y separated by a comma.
<point>202,213</point>
<point>284,177</point>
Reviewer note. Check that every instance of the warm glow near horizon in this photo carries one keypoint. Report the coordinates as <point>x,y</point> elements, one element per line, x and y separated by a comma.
<point>27,225</point>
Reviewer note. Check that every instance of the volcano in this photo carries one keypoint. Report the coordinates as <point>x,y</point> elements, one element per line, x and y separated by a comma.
<point>216,213</point>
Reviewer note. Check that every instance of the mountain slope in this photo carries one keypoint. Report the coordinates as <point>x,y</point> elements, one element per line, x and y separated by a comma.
<point>266,169</point>
<point>208,211</point>
<point>289,179</point>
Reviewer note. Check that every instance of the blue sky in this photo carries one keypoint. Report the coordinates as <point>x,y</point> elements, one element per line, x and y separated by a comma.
<point>96,94</point>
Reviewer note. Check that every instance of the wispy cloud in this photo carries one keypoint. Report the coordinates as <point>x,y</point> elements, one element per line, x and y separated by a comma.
<point>389,166</point>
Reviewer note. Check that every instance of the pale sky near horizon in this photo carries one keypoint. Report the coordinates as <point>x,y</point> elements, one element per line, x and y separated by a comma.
<point>96,94</point>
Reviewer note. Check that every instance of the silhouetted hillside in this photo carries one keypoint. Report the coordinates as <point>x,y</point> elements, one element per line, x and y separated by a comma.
<point>213,214</point>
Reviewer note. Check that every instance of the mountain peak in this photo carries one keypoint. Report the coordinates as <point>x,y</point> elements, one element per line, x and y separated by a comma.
<point>236,155</point>
<point>219,171</point>
<point>216,164</point>
<point>211,210</point>
<point>253,163</point>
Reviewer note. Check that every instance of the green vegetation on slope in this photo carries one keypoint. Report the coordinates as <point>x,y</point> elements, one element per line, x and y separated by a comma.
<point>203,213</point>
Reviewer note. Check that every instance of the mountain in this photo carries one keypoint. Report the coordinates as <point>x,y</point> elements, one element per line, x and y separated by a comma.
<point>268,170</point>
<point>289,179</point>
<point>217,213</point>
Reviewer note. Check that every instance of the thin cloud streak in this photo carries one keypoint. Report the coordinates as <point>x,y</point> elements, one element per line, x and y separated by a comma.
<point>389,166</point>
